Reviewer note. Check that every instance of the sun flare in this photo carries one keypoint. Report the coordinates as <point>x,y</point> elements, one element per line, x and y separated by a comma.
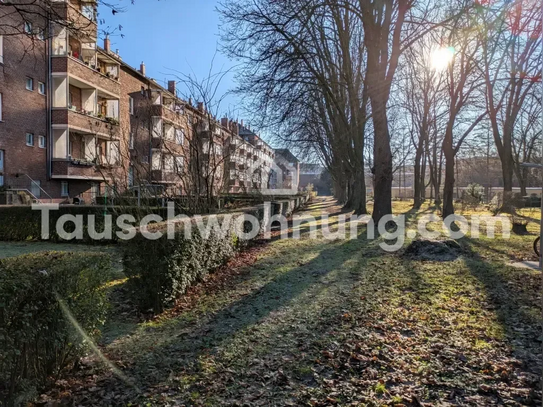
<point>441,58</point>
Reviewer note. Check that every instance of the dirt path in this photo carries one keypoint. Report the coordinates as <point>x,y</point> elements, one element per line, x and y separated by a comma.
<point>318,322</point>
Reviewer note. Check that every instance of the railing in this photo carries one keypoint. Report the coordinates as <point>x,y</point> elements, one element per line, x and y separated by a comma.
<point>29,192</point>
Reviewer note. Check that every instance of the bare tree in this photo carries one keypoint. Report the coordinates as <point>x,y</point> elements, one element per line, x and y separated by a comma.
<point>512,58</point>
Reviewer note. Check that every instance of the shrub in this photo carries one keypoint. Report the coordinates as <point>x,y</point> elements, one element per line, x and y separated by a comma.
<point>37,341</point>
<point>161,270</point>
<point>20,223</point>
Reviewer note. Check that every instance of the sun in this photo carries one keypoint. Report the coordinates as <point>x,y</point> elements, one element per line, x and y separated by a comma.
<point>441,58</point>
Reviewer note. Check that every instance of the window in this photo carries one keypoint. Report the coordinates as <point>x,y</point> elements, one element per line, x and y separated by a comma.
<point>130,176</point>
<point>40,34</point>
<point>1,49</point>
<point>88,11</point>
<point>41,141</point>
<point>29,84</point>
<point>143,90</point>
<point>64,191</point>
<point>35,188</point>
<point>131,104</point>
<point>41,88</point>
<point>29,139</point>
<point>131,141</point>
<point>28,27</point>
<point>2,160</point>
<point>179,163</point>
<point>1,180</point>
<point>179,136</point>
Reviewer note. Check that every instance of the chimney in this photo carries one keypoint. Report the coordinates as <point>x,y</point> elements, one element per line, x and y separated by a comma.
<point>171,87</point>
<point>142,68</point>
<point>201,106</point>
<point>190,102</point>
<point>224,122</point>
<point>241,122</point>
<point>107,44</point>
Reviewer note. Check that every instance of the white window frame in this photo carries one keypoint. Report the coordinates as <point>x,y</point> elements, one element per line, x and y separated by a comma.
<point>32,138</point>
<point>41,86</point>
<point>42,142</point>
<point>179,163</point>
<point>31,81</point>
<point>131,104</point>
<point>64,188</point>
<point>182,133</point>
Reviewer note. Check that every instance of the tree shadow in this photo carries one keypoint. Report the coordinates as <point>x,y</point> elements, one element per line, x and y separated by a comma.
<point>514,296</point>
<point>180,345</point>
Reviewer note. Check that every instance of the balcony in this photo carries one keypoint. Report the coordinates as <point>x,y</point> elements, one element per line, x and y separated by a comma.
<point>75,169</point>
<point>164,177</point>
<point>168,114</point>
<point>87,72</point>
<point>86,123</point>
<point>82,14</point>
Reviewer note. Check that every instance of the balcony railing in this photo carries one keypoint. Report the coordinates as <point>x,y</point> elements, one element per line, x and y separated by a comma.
<point>86,72</point>
<point>76,169</point>
<point>85,122</point>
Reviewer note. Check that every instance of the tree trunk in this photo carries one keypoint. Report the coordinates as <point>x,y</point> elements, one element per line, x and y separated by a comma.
<point>340,191</point>
<point>358,201</point>
<point>418,177</point>
<point>507,173</point>
<point>382,161</point>
<point>448,187</point>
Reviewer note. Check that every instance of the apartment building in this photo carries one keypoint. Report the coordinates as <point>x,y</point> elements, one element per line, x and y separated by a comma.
<point>250,161</point>
<point>76,121</point>
<point>286,171</point>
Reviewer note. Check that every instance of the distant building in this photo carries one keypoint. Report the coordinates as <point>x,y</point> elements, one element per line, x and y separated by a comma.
<point>286,172</point>
<point>310,174</point>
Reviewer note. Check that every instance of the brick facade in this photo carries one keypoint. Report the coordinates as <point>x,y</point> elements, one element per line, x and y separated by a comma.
<point>105,122</point>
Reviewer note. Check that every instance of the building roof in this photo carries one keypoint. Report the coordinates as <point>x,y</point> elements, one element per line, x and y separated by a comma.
<point>285,152</point>
<point>307,168</point>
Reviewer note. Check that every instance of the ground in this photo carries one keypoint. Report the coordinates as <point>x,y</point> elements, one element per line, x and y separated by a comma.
<point>322,322</point>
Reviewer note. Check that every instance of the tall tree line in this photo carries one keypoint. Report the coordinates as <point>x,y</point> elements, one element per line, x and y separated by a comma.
<point>335,77</point>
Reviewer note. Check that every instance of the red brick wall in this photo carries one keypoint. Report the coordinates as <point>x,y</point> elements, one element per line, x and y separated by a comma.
<point>22,110</point>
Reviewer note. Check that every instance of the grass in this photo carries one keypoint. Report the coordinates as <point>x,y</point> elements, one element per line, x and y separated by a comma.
<point>322,322</point>
<point>12,249</point>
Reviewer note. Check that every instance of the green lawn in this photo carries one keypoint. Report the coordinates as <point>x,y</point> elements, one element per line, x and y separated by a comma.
<point>317,322</point>
<point>11,249</point>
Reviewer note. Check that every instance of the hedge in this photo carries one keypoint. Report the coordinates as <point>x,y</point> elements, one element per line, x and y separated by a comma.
<point>161,270</point>
<point>37,341</point>
<point>21,223</point>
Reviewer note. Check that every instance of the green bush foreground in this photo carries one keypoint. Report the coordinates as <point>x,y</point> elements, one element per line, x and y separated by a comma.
<point>37,340</point>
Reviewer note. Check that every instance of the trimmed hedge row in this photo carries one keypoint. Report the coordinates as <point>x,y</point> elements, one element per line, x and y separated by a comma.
<point>37,339</point>
<point>21,223</point>
<point>161,270</point>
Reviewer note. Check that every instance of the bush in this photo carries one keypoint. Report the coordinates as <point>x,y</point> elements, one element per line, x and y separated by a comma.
<point>161,270</point>
<point>20,223</point>
<point>37,341</point>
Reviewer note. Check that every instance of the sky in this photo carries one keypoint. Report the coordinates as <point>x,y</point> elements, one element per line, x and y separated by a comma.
<point>171,35</point>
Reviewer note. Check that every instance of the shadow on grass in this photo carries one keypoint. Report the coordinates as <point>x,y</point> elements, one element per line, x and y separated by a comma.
<point>514,294</point>
<point>179,346</point>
